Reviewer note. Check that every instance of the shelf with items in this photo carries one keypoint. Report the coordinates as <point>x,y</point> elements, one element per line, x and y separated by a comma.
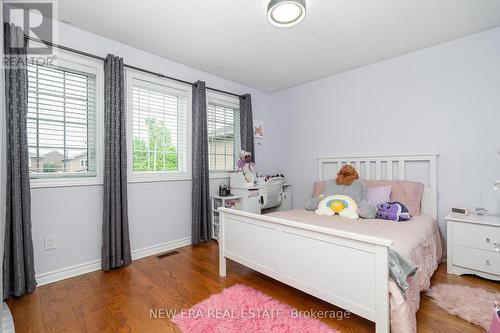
<point>231,202</point>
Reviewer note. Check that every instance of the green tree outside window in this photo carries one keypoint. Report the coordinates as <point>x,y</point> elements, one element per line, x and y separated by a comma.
<point>157,153</point>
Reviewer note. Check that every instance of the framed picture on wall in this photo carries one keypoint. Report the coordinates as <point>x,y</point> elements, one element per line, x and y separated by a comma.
<point>258,129</point>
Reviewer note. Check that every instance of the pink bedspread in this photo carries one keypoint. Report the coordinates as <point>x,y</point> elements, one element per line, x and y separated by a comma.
<point>418,240</point>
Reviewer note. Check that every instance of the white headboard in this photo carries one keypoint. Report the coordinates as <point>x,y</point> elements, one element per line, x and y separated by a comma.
<point>390,168</point>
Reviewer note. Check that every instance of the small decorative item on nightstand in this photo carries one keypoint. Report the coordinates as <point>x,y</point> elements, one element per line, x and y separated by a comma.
<point>460,211</point>
<point>474,245</point>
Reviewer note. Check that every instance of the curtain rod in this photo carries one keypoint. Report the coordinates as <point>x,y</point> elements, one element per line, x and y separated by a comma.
<point>94,56</point>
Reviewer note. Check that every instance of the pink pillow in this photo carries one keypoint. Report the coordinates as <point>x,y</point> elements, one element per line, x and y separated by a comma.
<point>407,192</point>
<point>378,194</point>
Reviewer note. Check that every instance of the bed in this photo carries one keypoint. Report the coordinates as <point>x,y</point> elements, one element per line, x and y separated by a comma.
<point>344,262</point>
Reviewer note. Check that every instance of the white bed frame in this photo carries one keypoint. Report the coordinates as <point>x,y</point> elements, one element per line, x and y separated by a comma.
<point>346,269</point>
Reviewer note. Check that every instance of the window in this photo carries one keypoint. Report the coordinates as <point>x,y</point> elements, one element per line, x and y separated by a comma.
<point>223,134</point>
<point>159,128</point>
<point>61,122</point>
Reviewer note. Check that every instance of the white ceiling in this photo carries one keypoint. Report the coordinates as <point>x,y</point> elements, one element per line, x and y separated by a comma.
<point>232,38</point>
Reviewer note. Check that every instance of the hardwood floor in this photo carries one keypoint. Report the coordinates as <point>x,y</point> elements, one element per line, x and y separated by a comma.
<point>120,301</point>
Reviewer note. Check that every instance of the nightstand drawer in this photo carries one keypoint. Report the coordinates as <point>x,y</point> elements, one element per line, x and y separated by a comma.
<point>478,236</point>
<point>480,260</point>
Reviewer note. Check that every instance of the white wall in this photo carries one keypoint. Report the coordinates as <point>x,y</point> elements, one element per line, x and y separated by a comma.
<point>443,99</point>
<point>158,212</point>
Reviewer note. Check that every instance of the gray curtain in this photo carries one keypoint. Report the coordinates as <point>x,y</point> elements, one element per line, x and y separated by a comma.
<point>18,266</point>
<point>201,217</point>
<point>115,235</point>
<point>246,125</point>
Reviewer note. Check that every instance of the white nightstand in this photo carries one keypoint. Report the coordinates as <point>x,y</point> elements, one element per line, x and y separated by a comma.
<point>474,245</point>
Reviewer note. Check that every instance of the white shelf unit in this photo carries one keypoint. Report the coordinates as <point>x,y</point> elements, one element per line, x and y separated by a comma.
<point>232,202</point>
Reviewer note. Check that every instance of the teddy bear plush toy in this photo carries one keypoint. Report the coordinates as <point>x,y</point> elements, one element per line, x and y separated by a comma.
<point>346,175</point>
<point>346,183</point>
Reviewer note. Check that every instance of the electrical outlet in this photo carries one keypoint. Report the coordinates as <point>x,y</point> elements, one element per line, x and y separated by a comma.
<point>50,242</point>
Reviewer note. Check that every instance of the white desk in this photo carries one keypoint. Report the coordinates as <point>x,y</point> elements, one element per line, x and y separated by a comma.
<point>251,198</point>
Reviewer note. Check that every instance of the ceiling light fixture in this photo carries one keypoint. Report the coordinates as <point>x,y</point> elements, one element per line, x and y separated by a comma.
<point>286,13</point>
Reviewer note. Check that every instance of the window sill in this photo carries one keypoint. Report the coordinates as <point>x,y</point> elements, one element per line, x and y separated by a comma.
<point>158,177</point>
<point>157,180</point>
<point>54,183</point>
<point>46,183</point>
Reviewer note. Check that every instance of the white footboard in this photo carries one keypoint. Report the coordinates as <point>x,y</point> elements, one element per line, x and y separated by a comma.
<point>345,269</point>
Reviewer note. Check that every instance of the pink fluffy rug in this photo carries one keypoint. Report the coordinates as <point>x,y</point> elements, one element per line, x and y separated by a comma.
<point>243,309</point>
<point>472,304</point>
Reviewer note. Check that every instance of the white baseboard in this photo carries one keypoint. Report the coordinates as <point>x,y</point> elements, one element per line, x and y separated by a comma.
<point>155,249</point>
<point>67,272</point>
<point>95,265</point>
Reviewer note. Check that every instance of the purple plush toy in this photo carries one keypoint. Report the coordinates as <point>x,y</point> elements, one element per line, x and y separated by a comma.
<point>394,211</point>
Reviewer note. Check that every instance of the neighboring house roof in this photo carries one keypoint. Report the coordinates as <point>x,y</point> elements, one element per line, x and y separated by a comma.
<point>56,153</point>
<point>84,154</point>
<point>33,155</point>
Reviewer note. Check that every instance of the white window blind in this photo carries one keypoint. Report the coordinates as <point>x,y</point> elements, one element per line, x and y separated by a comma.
<point>160,128</point>
<point>61,122</point>
<point>223,136</point>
